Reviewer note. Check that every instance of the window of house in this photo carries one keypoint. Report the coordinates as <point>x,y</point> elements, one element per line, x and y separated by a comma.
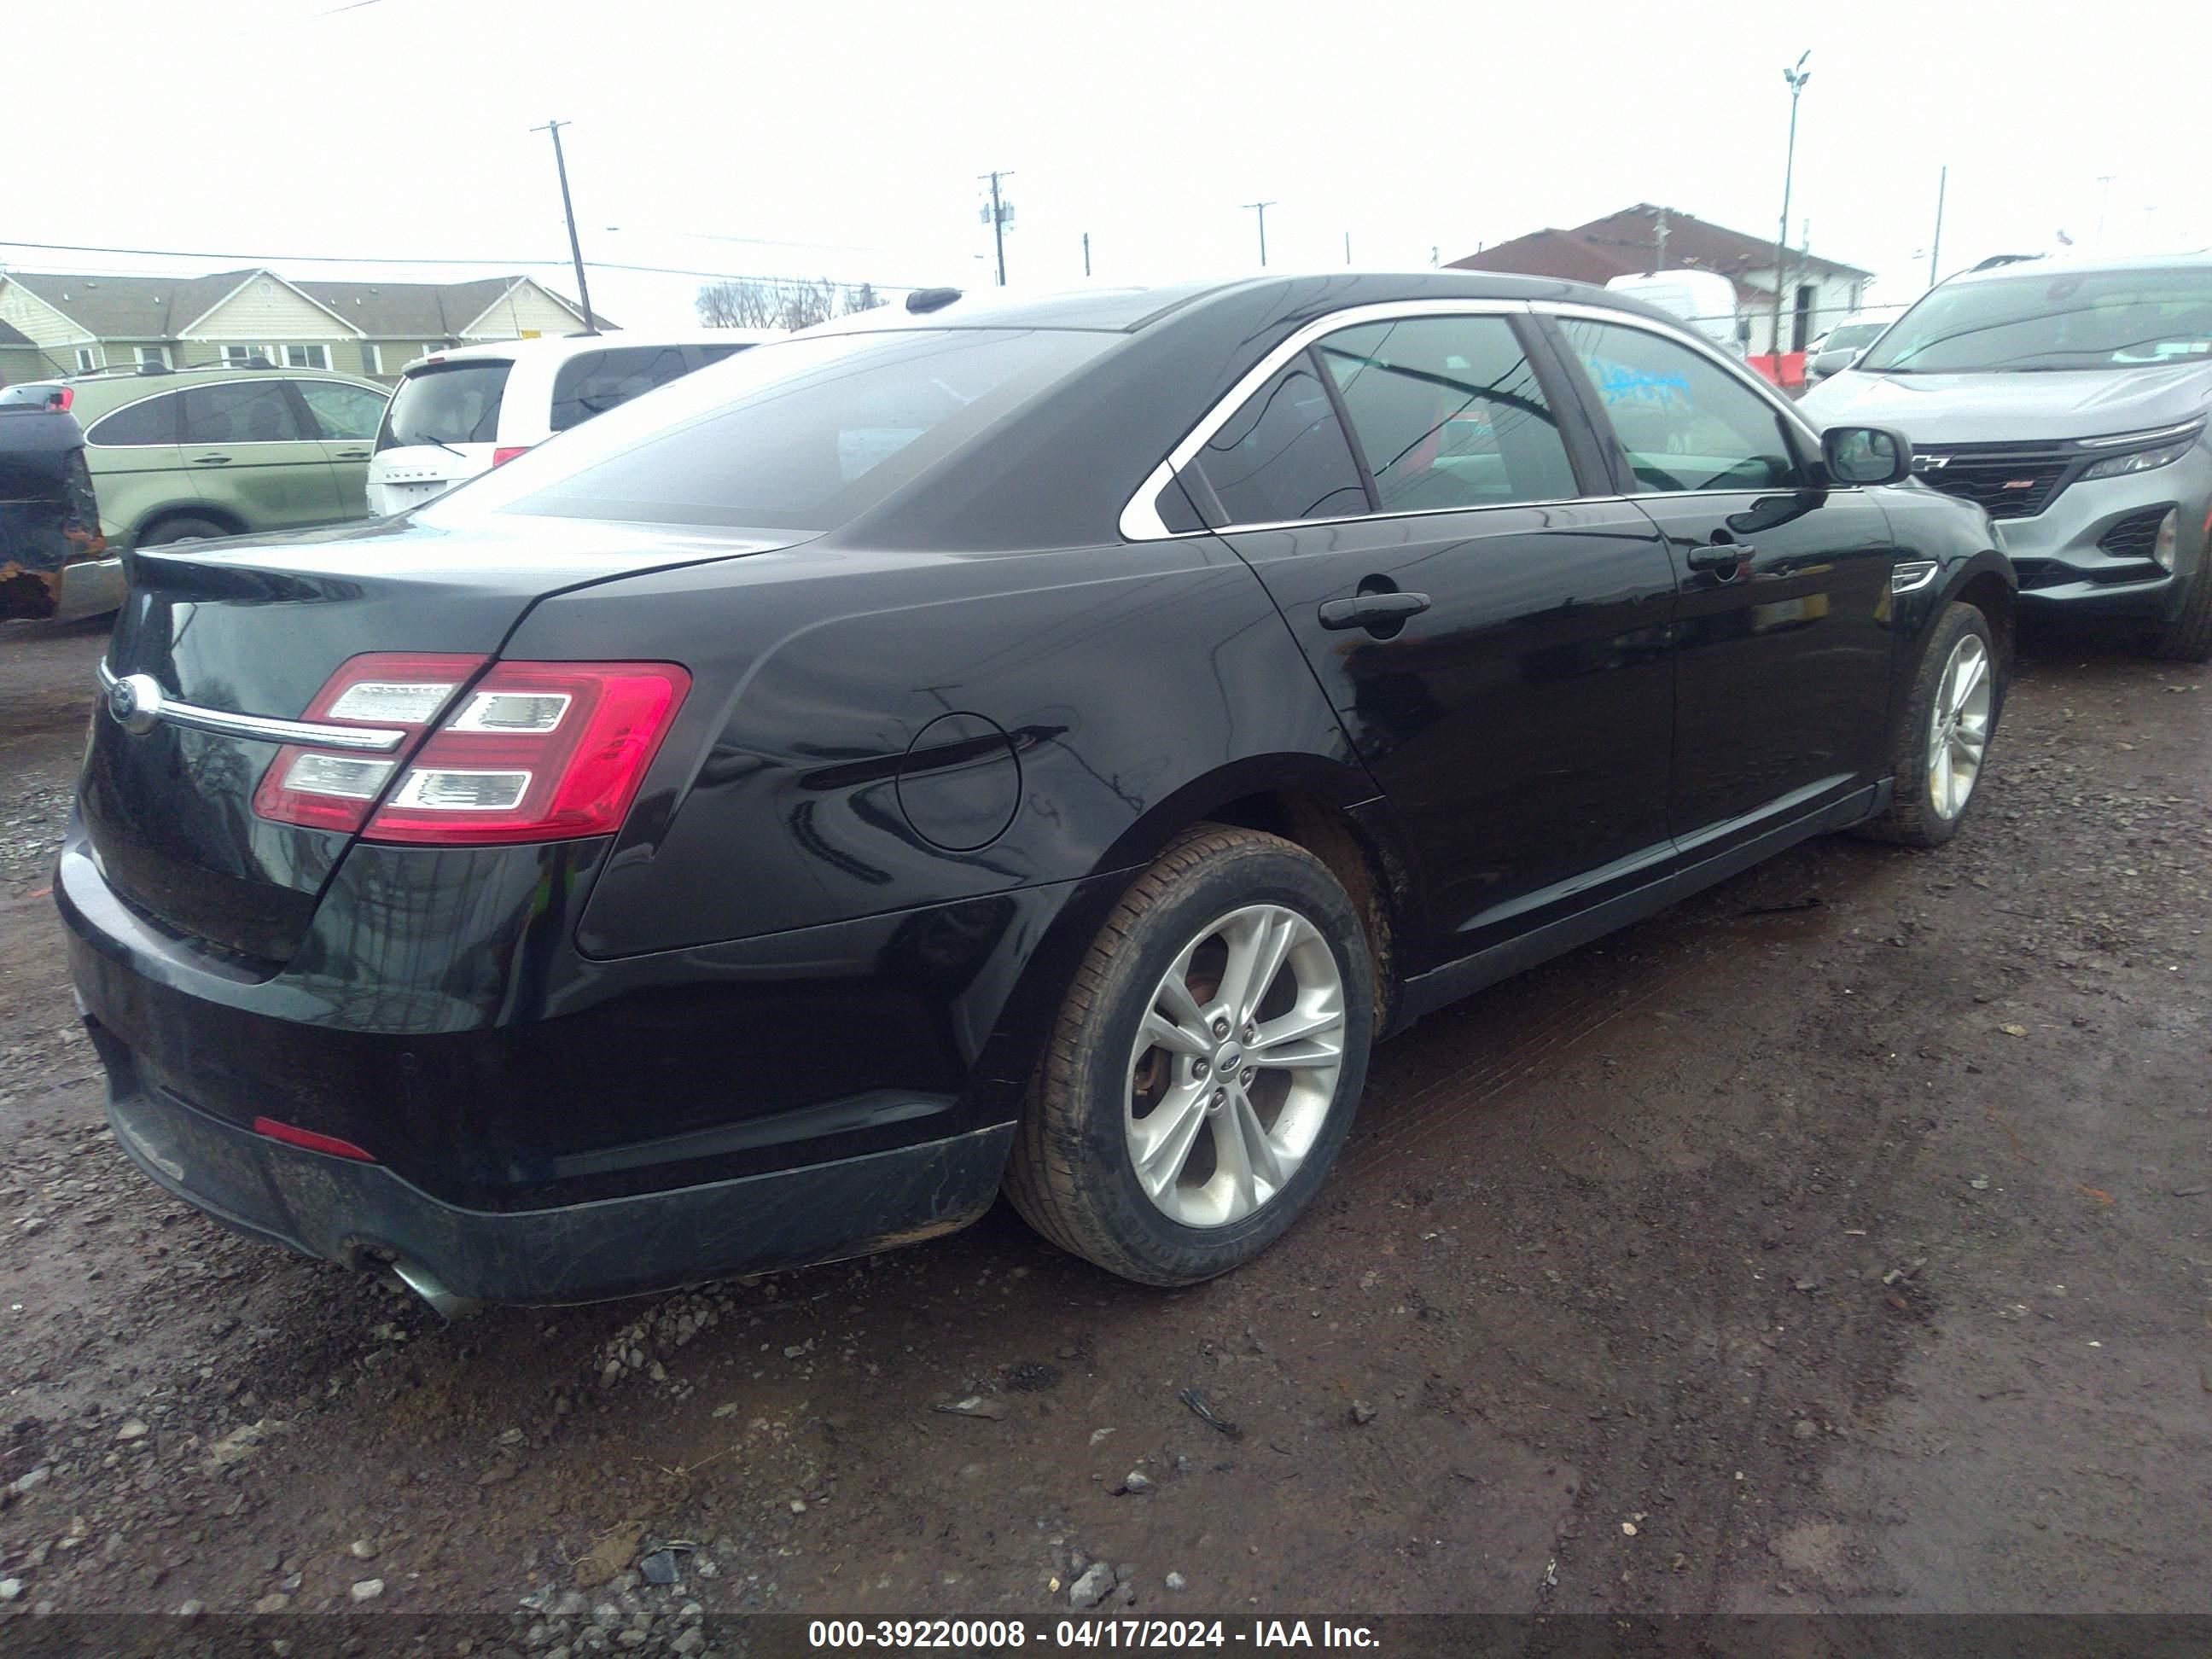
<point>1686,422</point>
<point>153,356</point>
<point>307,357</point>
<point>1448,413</point>
<point>88,359</point>
<point>1282,456</point>
<point>372,359</point>
<point>242,356</point>
<point>241,412</point>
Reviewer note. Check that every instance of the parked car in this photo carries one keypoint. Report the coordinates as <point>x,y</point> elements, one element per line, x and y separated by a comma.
<point>458,414</point>
<point>1841,346</point>
<point>220,451</point>
<point>1032,742</point>
<point>54,560</point>
<point>1703,298</point>
<point>2070,399</point>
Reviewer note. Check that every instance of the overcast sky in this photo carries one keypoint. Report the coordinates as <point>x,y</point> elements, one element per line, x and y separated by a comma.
<point>847,137</point>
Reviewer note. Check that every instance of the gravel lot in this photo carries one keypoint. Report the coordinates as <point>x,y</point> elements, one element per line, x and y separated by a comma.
<point>1839,1241</point>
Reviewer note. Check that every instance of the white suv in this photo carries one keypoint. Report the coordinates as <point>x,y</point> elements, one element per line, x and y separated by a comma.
<point>460,413</point>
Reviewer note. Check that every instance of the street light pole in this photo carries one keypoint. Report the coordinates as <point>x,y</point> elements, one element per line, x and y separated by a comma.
<point>575,248</point>
<point>1796,76</point>
<point>1260,208</point>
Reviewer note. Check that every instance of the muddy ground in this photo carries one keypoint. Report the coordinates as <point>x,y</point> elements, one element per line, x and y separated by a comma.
<point>1840,1240</point>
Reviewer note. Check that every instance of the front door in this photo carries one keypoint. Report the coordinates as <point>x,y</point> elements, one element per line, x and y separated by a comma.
<point>251,455</point>
<point>1495,642</point>
<point>1783,646</point>
<point>346,418</point>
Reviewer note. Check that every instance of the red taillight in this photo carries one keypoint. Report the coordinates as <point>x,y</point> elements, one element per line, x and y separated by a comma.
<point>531,751</point>
<point>308,1139</point>
<point>537,751</point>
<point>63,398</point>
<point>334,789</point>
<point>505,453</point>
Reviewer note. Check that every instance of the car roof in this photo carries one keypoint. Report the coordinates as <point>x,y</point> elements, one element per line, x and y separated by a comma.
<point>113,391</point>
<point>553,347</point>
<point>1132,309</point>
<point>2073,265</point>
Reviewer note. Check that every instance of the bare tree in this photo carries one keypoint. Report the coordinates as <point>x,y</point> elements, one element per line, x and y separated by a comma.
<point>863,298</point>
<point>781,302</point>
<point>743,302</point>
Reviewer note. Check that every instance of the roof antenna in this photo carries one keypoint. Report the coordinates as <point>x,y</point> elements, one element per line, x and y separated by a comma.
<point>931,299</point>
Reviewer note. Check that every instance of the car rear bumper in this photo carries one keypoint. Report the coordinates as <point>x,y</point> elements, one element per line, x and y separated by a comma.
<point>365,1215</point>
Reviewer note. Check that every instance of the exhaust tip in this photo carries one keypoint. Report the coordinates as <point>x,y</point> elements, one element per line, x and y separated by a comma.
<point>432,1289</point>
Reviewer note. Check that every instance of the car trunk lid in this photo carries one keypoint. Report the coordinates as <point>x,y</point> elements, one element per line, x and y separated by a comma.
<point>257,630</point>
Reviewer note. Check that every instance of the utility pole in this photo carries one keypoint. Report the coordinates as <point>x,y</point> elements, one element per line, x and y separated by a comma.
<point>999,215</point>
<point>1260,208</point>
<point>2105,201</point>
<point>1086,254</point>
<point>1347,247</point>
<point>1796,76</point>
<point>575,248</point>
<point>1935,245</point>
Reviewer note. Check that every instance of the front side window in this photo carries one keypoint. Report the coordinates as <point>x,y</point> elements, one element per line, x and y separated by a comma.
<point>241,412</point>
<point>1686,422</point>
<point>799,435</point>
<point>1282,456</point>
<point>1449,414</point>
<point>592,382</point>
<point>153,421</point>
<point>342,410</point>
<point>2030,323</point>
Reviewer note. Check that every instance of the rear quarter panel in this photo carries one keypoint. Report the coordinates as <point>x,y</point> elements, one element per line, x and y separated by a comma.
<point>1133,685</point>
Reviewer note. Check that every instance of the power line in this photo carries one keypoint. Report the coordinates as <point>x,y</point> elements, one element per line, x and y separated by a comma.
<point>387,259</point>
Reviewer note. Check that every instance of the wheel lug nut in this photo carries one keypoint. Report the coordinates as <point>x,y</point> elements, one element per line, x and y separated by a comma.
<point>1199,1068</point>
<point>1220,1095</point>
<point>1221,1028</point>
<point>1251,1071</point>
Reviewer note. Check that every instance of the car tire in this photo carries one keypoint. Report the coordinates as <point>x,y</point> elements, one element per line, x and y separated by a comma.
<point>1234,1151</point>
<point>182,530</point>
<point>1945,719</point>
<point>2188,637</point>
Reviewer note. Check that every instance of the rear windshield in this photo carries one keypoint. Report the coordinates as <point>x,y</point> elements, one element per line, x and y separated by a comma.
<point>446,404</point>
<point>2051,320</point>
<point>1853,335</point>
<point>798,435</point>
<point>40,393</point>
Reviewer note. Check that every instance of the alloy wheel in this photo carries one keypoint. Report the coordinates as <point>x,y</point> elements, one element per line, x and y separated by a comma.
<point>1959,727</point>
<point>1235,1067</point>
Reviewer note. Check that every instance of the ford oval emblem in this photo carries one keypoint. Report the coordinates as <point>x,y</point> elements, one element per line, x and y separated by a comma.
<point>135,701</point>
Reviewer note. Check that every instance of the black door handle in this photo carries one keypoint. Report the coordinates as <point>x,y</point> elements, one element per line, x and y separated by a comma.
<point>1719,556</point>
<point>210,460</point>
<point>1372,609</point>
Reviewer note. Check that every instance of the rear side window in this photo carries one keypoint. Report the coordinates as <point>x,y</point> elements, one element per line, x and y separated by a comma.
<point>714,354</point>
<point>1449,414</point>
<point>241,412</point>
<point>446,404</point>
<point>801,435</point>
<point>592,382</point>
<point>1282,456</point>
<point>342,412</point>
<point>1686,422</point>
<point>153,422</point>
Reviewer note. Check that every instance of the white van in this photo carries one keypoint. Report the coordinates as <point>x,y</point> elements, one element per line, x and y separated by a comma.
<point>462,412</point>
<point>1703,298</point>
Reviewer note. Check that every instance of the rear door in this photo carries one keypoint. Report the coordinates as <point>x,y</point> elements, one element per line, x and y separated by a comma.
<point>251,453</point>
<point>345,419</point>
<point>137,465</point>
<point>1493,635</point>
<point>1783,669</point>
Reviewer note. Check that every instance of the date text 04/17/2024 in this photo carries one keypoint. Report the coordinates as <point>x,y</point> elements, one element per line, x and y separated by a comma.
<point>998,1635</point>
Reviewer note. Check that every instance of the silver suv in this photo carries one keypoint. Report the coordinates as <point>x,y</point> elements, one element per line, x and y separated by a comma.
<point>2069,399</point>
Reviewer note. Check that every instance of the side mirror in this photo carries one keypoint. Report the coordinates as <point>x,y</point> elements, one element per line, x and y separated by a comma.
<point>1834,362</point>
<point>1866,455</point>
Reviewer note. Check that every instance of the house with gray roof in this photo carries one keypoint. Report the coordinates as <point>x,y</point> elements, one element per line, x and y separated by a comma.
<point>75,324</point>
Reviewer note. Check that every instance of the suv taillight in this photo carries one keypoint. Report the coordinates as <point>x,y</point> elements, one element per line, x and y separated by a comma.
<point>505,453</point>
<point>533,751</point>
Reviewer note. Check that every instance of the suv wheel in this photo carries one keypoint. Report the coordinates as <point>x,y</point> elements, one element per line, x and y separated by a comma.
<point>1205,1069</point>
<point>181,530</point>
<point>2188,637</point>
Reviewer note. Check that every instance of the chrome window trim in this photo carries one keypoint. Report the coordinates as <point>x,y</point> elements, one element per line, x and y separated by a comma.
<point>365,739</point>
<point>1140,519</point>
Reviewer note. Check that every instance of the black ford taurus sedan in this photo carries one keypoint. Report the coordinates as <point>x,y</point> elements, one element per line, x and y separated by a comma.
<point>1039,745</point>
